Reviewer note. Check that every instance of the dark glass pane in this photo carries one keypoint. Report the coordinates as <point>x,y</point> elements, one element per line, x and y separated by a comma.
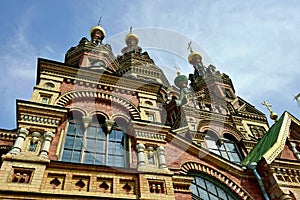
<point>203,194</point>
<point>76,156</point>
<point>110,160</point>
<point>100,146</point>
<point>119,161</point>
<point>235,157</point>
<point>221,193</point>
<point>69,142</point>
<point>119,149</point>
<point>99,160</point>
<point>91,132</point>
<point>67,155</point>
<point>224,155</point>
<point>112,135</point>
<point>116,161</point>
<point>230,147</point>
<point>100,133</point>
<point>213,197</point>
<point>119,135</point>
<point>88,158</point>
<point>211,187</point>
<point>72,129</point>
<point>90,144</point>
<point>200,182</point>
<point>78,143</point>
<point>194,190</point>
<point>111,148</point>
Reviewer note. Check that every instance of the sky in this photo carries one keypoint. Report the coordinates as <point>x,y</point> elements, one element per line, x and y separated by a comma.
<point>256,43</point>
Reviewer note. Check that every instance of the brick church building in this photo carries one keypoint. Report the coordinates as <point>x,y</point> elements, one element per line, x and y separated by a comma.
<point>101,126</point>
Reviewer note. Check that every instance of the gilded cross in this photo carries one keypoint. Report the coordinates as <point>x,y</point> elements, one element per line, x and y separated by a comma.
<point>267,105</point>
<point>190,47</point>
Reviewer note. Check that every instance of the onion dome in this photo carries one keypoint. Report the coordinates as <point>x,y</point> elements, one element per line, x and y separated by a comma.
<point>98,27</point>
<point>131,39</point>
<point>180,81</point>
<point>194,57</point>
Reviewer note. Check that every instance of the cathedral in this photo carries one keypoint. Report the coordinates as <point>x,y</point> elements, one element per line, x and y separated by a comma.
<point>105,126</point>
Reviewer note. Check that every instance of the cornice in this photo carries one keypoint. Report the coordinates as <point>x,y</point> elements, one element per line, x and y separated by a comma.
<point>95,77</point>
<point>38,115</point>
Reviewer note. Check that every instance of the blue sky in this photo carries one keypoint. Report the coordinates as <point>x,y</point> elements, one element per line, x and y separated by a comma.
<point>257,43</point>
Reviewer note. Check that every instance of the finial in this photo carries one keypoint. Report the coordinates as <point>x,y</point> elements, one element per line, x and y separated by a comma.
<point>177,70</point>
<point>190,47</point>
<point>273,115</point>
<point>99,21</point>
<point>130,30</point>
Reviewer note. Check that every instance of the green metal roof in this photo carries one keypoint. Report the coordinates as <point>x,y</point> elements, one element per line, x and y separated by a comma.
<point>262,147</point>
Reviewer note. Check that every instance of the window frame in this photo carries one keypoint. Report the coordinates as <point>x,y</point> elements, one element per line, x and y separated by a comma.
<point>85,150</point>
<point>217,186</point>
<point>220,147</point>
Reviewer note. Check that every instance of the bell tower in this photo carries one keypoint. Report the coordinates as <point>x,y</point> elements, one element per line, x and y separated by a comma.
<point>208,79</point>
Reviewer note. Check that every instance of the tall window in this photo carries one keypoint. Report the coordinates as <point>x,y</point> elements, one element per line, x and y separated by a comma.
<point>95,145</point>
<point>225,147</point>
<point>205,188</point>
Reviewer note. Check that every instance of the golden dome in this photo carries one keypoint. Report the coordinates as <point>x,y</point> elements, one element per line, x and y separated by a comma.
<point>97,28</point>
<point>192,55</point>
<point>273,116</point>
<point>131,36</point>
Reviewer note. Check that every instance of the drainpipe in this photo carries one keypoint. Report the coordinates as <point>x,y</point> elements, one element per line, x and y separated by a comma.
<point>253,166</point>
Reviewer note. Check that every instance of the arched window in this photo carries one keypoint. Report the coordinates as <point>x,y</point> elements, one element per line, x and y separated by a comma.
<point>95,145</point>
<point>74,138</point>
<point>225,147</point>
<point>206,188</point>
<point>49,85</point>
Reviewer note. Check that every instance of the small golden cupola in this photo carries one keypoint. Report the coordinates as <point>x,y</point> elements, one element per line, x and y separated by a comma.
<point>194,58</point>
<point>131,41</point>
<point>97,34</point>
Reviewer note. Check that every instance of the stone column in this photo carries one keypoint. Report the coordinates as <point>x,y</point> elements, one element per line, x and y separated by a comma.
<point>141,156</point>
<point>161,157</point>
<point>48,136</point>
<point>294,149</point>
<point>22,133</point>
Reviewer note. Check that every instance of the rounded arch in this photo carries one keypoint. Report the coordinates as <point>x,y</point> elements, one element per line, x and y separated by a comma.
<point>78,110</point>
<point>230,136</point>
<point>187,167</point>
<point>125,117</point>
<point>223,127</point>
<point>98,118</point>
<point>64,99</point>
<point>98,112</point>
